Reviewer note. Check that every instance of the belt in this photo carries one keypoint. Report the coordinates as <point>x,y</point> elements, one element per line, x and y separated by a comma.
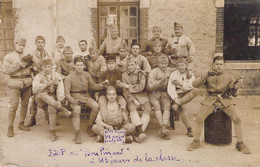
<point>20,77</point>
<point>214,94</point>
<point>81,92</point>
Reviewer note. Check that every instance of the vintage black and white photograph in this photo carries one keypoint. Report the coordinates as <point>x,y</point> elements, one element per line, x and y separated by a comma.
<point>129,83</point>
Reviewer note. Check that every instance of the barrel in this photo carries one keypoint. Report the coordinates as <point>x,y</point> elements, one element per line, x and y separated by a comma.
<point>218,128</point>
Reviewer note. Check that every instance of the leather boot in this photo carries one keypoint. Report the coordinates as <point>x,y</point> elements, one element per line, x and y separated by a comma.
<point>194,145</point>
<point>53,136</point>
<point>240,146</point>
<point>23,127</point>
<point>77,137</point>
<point>189,132</point>
<point>90,132</point>
<point>10,132</point>
<point>31,122</point>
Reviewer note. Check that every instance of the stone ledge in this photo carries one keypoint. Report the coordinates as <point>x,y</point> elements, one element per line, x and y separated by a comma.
<point>243,65</point>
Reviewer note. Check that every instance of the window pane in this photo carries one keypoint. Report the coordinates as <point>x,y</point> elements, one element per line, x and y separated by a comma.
<point>112,20</point>
<point>132,22</point>
<point>103,11</point>
<point>124,11</point>
<point>124,22</point>
<point>133,11</point>
<point>112,10</point>
<point>103,22</point>
<point>133,33</point>
<point>124,33</point>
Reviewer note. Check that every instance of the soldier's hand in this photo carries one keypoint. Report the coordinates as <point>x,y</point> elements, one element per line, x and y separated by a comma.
<point>189,59</point>
<point>189,74</point>
<point>176,82</point>
<point>122,85</point>
<point>23,64</point>
<point>109,127</point>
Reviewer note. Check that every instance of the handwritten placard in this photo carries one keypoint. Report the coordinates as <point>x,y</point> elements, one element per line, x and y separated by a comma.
<point>114,136</point>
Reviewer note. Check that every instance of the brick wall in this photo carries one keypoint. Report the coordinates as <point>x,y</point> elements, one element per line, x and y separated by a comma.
<point>219,30</point>
<point>143,25</point>
<point>6,28</point>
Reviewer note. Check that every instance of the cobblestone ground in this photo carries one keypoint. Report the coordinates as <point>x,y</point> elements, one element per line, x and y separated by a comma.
<point>34,149</point>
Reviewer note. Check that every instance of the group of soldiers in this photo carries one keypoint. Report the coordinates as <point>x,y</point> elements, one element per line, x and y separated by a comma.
<point>121,86</point>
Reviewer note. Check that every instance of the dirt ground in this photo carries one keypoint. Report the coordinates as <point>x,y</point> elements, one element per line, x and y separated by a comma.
<point>34,149</point>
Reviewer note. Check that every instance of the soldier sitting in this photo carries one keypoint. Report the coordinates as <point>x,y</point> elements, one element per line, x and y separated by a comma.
<point>134,82</point>
<point>181,91</point>
<point>217,82</point>
<point>76,91</point>
<point>49,92</point>
<point>159,98</point>
<point>112,117</point>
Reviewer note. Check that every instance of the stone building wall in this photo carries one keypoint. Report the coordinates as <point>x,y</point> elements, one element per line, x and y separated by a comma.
<point>199,20</point>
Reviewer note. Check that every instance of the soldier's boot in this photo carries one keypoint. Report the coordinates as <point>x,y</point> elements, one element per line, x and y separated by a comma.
<point>53,136</point>
<point>164,133</point>
<point>65,112</point>
<point>92,118</point>
<point>32,122</point>
<point>23,127</point>
<point>189,132</point>
<point>77,137</point>
<point>194,145</point>
<point>10,132</point>
<point>129,139</point>
<point>240,146</point>
<point>140,136</point>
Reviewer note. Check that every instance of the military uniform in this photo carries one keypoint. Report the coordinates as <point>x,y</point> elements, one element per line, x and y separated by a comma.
<point>64,67</point>
<point>148,46</point>
<point>216,84</point>
<point>19,86</point>
<point>49,96</point>
<point>185,93</point>
<point>136,97</point>
<point>113,116</point>
<point>110,46</point>
<point>96,67</point>
<point>142,63</point>
<point>76,92</point>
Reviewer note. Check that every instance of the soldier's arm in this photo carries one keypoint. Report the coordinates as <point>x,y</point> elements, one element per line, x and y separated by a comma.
<point>102,47</point>
<point>38,84</point>
<point>191,49</point>
<point>147,68</point>
<point>198,82</point>
<point>92,84</point>
<point>68,88</point>
<point>138,87</point>
<point>99,120</point>
<point>60,89</point>
<point>9,67</point>
<point>152,83</point>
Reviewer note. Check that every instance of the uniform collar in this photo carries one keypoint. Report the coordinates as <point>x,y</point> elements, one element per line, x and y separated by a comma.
<point>153,38</point>
<point>212,73</point>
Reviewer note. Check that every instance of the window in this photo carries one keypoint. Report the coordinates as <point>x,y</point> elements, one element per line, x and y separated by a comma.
<point>242,30</point>
<point>125,14</point>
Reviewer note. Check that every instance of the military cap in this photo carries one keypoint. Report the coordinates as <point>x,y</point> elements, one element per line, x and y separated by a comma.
<point>111,57</point>
<point>123,46</point>
<point>157,28</point>
<point>181,60</point>
<point>130,60</point>
<point>39,37</point>
<point>67,49</point>
<point>20,41</point>
<point>177,25</point>
<point>46,62</point>
<point>113,26</point>
<point>60,38</point>
<point>78,59</point>
<point>163,58</point>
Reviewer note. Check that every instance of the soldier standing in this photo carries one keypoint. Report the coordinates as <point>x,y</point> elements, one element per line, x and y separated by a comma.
<point>179,46</point>
<point>19,84</point>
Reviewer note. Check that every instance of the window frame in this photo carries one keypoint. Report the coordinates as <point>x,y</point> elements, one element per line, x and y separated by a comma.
<point>118,5</point>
